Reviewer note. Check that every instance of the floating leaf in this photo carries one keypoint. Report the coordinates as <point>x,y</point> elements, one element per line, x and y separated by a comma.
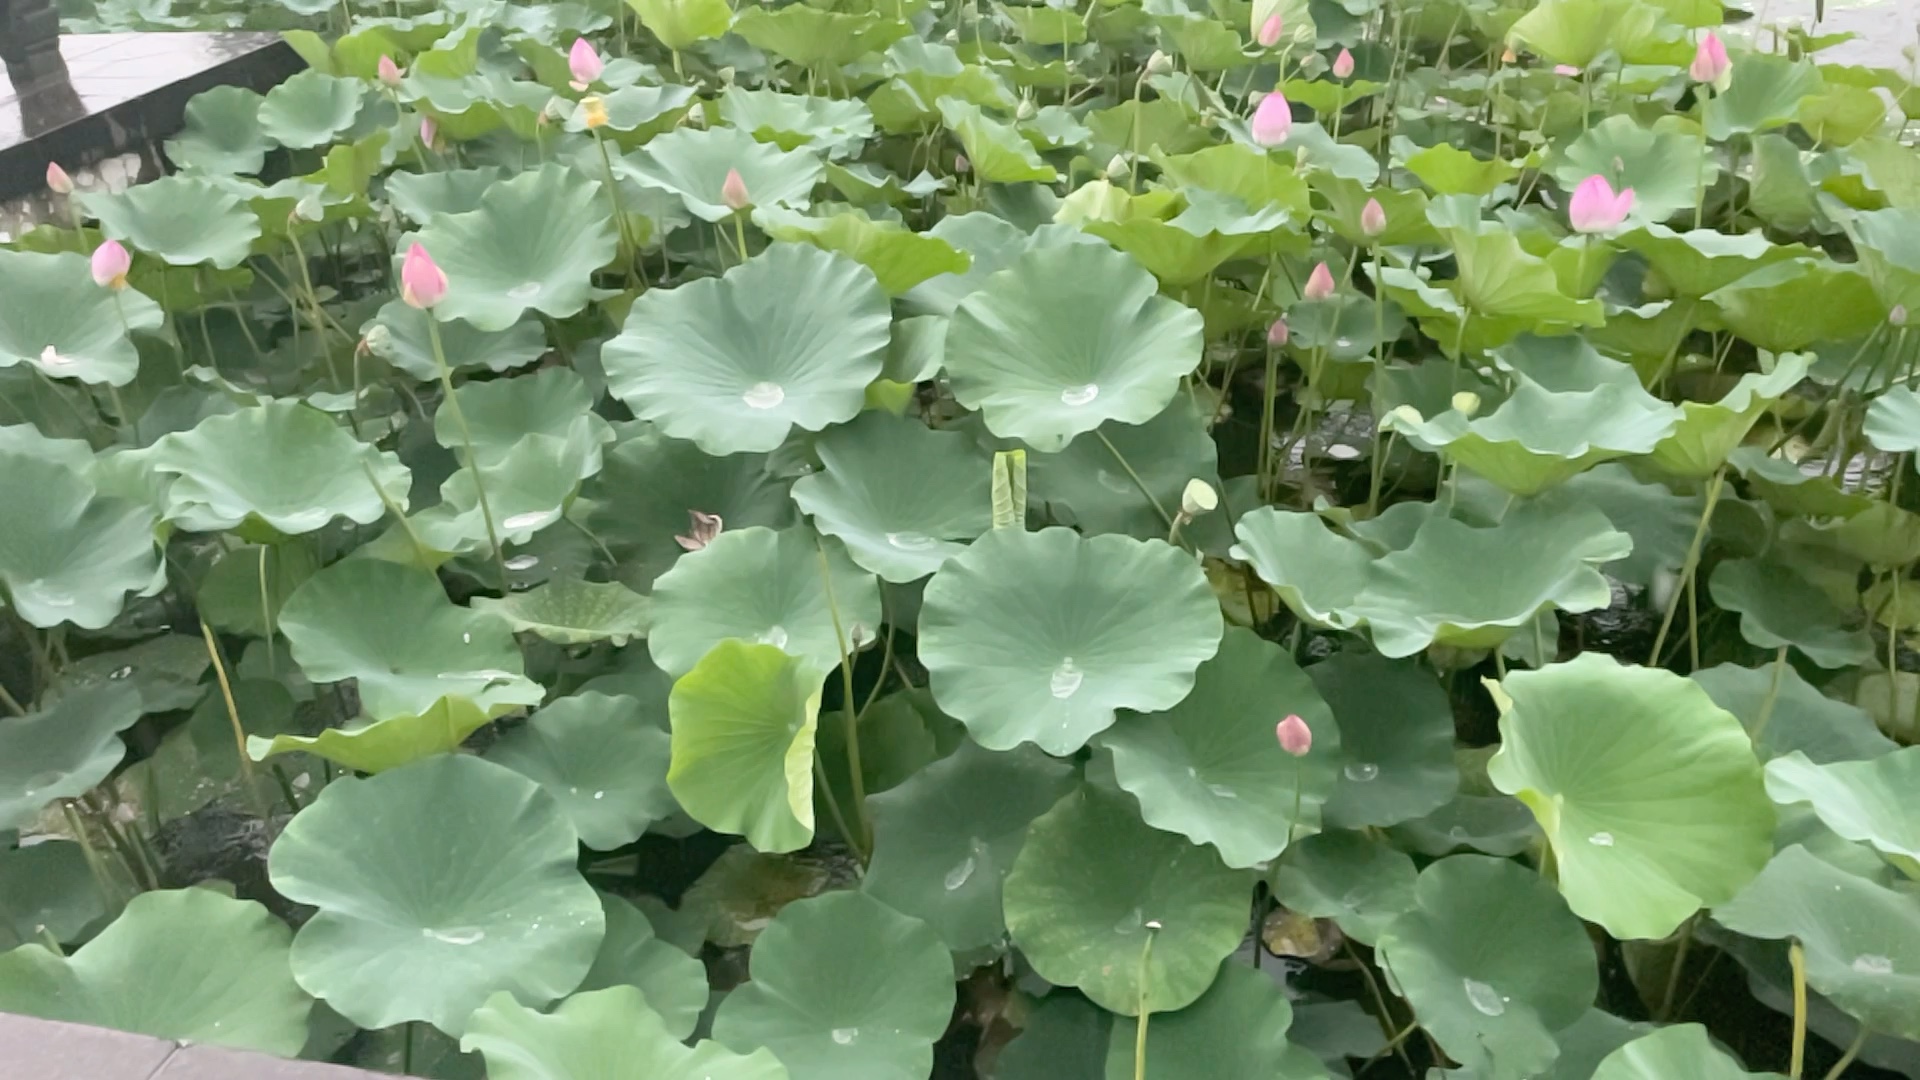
<point>55,318</point>
<point>1040,637</point>
<point>601,759</point>
<point>743,729</point>
<point>183,219</point>
<point>606,1034</point>
<point>568,611</point>
<point>1359,882</point>
<point>1396,736</point>
<point>1237,1028</point>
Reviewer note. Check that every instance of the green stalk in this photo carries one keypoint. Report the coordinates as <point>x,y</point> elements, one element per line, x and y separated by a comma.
<point>109,893</point>
<point>1693,563</point>
<point>1376,464</point>
<point>1140,1032</point>
<point>466,443</point>
<point>233,718</point>
<point>1135,477</point>
<point>1853,1051</point>
<point>1797,956</point>
<point>627,246</point>
<point>863,843</point>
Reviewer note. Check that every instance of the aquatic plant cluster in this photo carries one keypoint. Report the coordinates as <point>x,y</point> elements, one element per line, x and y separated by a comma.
<point>886,539</point>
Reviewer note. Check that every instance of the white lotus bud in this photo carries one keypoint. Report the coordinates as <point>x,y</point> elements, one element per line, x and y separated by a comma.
<point>1118,166</point>
<point>378,339</point>
<point>1466,402</point>
<point>1406,414</point>
<point>1159,63</point>
<point>1026,109</point>
<point>1198,498</point>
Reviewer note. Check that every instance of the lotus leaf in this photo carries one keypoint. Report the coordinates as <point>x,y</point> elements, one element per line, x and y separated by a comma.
<point>742,754</point>
<point>54,318</point>
<point>185,220</point>
<point>221,132</point>
<point>1092,482</point>
<point>1785,714</point>
<point>1680,1050</point>
<point>47,891</point>
<point>388,743</point>
<point>652,484</point>
<point>1361,883</point>
<point>568,611</point>
<point>1779,608</point>
<point>399,335</point>
<point>828,126</point>
<point>675,983</point>
<point>63,750</point>
<point>1711,432</point>
<point>694,165</point>
<point>1237,1028</point>
<point>1863,801</point>
<point>67,553</point>
<point>310,109</point>
<point>602,1035</point>
<point>601,759</point>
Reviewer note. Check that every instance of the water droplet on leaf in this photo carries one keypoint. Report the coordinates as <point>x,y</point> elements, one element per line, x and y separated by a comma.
<point>1066,679</point>
<point>1361,771</point>
<point>456,935</point>
<point>1872,964</point>
<point>775,636</point>
<point>1601,839</point>
<point>523,562</point>
<point>528,520</point>
<point>526,290</point>
<point>763,395</point>
<point>845,1036</point>
<point>958,876</point>
<point>1484,998</point>
<point>1077,396</point>
<point>910,541</point>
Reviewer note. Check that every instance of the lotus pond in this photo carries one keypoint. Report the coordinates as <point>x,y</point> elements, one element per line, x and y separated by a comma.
<point>875,539</point>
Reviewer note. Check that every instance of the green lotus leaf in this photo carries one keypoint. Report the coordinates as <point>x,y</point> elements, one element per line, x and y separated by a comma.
<point>843,986</point>
<point>1040,637</point>
<point>1893,421</point>
<point>569,611</point>
<point>1575,32</point>
<point>601,759</point>
<point>62,750</point>
<point>47,891</point>
<point>245,588</point>
<point>680,23</point>
<point>811,37</point>
<point>1237,1028</point>
<point>500,414</point>
<point>1664,168</point>
<point>469,889</point>
<point>1493,962</point>
<point>992,244</point>
<point>923,73</point>
<point>1350,877</point>
<point>421,196</point>
<point>399,335</point>
<point>900,495</point>
<point>1396,736</point>
<point>1863,801</point>
<point>606,1034</point>
<point>1091,879</point>
<point>221,133</point>
<point>635,113</point>
<point>1680,1050</point>
<point>945,839</point>
<point>1570,409</point>
<point>831,127</point>
<point>900,735</point>
<point>1862,940</point>
<point>1886,243</point>
<point>1780,608</point>
<point>1091,482</point>
<point>743,730</point>
<point>694,164</point>
<point>1764,91</point>
<point>1699,261</point>
<point>996,152</point>
<point>184,220</point>
<point>1178,244</point>
<point>528,489</point>
<point>1315,570</point>
<point>789,338</point>
<point>1797,717</point>
<point>674,982</point>
<point>1450,170</point>
<point>1710,432</point>
<point>1229,784</point>
<point>1064,1038</point>
<point>651,483</point>
<point>284,465</point>
<point>186,964</point>
<point>1660,522</point>
<point>1499,280</point>
<point>74,454</point>
<point>383,744</point>
<point>899,257</point>
<point>311,109</point>
<point>67,553</point>
<point>1649,792</point>
<point>767,586</point>
<point>533,244</point>
<point>1492,824</point>
<point>337,626</point>
<point>1406,210</point>
<point>1762,306</point>
<point>1066,339</point>
<point>1781,484</point>
<point>55,318</point>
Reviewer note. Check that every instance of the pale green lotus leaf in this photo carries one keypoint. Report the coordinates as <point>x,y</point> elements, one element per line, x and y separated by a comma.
<point>1865,801</point>
<point>68,553</point>
<point>311,109</point>
<point>47,891</point>
<point>1763,91</point>
<point>422,196</point>
<point>899,257</point>
<point>635,113</point>
<point>1797,718</point>
<point>400,335</point>
<point>569,611</point>
<point>1396,739</point>
<point>1711,432</point>
<point>1091,483</point>
<point>1893,421</point>
<point>1664,168</point>
<point>996,152</point>
<point>833,127</point>
<point>601,758</point>
<point>1449,170</point>
<point>608,1034</point>
<point>693,164</point>
<point>501,413</point>
<point>1680,1050</point>
<point>1779,607</point>
<point>680,23</point>
<point>185,220</point>
<point>743,730</point>
<point>1698,261</point>
<point>673,981</point>
<point>1361,883</point>
<point>1575,32</point>
<point>221,132</point>
<point>814,37</point>
<point>1763,307</point>
<point>388,743</point>
<point>53,317</point>
<point>1649,793</point>
<point>63,749</point>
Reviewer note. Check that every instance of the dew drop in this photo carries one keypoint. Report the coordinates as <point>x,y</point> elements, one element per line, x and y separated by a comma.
<point>1601,839</point>
<point>526,290</point>
<point>910,541</point>
<point>530,519</point>
<point>121,672</point>
<point>456,935</point>
<point>845,1036</point>
<point>1484,998</point>
<point>775,636</point>
<point>1872,964</point>
<point>1361,771</point>
<point>57,599</point>
<point>1342,342</point>
<point>1066,679</point>
<point>466,637</point>
<point>1077,396</point>
<point>1222,791</point>
<point>958,876</point>
<point>523,562</point>
<point>763,395</point>
<point>599,795</point>
<point>52,357</point>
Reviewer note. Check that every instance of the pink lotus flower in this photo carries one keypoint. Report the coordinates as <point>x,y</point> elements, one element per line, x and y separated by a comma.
<point>390,73</point>
<point>705,528</point>
<point>58,181</point>
<point>585,63</point>
<point>1319,284</point>
<point>733,191</point>
<point>1596,208</point>
<point>1343,65</point>
<point>1272,120</point>
<point>429,131</point>
<point>1373,218</point>
<point>1565,69</point>
<point>1710,62</point>
<point>1295,736</point>
<point>1269,33</point>
<point>110,265</point>
<point>422,282</point>
<point>1278,334</point>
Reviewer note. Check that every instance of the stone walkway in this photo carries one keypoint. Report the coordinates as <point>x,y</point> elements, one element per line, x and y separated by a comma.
<point>42,1050</point>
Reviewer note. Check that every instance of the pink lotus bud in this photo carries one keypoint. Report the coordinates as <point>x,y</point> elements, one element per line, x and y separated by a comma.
<point>1710,63</point>
<point>389,72</point>
<point>1270,31</point>
<point>705,528</point>
<point>733,191</point>
<point>1294,735</point>
<point>58,181</point>
<point>1277,334</point>
<point>1373,218</point>
<point>1272,120</point>
<point>1595,208</point>
<point>1319,284</point>
<point>961,165</point>
<point>585,63</point>
<point>1343,65</point>
<point>422,282</point>
<point>110,265</point>
<point>429,131</point>
<point>1566,69</point>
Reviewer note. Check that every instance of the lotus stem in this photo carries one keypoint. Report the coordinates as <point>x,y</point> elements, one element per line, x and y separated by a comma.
<point>863,842</point>
<point>1679,965</point>
<point>109,892</point>
<point>1773,694</point>
<point>833,804</point>
<point>466,443</point>
<point>1140,1029</point>
<point>233,718</point>
<point>1797,956</point>
<point>266,614</point>
<point>7,699</point>
<point>1853,1051</point>
<point>1692,563</point>
<point>1135,477</point>
<point>628,249</point>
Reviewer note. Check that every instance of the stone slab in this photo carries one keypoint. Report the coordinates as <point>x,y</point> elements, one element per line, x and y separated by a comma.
<point>33,1049</point>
